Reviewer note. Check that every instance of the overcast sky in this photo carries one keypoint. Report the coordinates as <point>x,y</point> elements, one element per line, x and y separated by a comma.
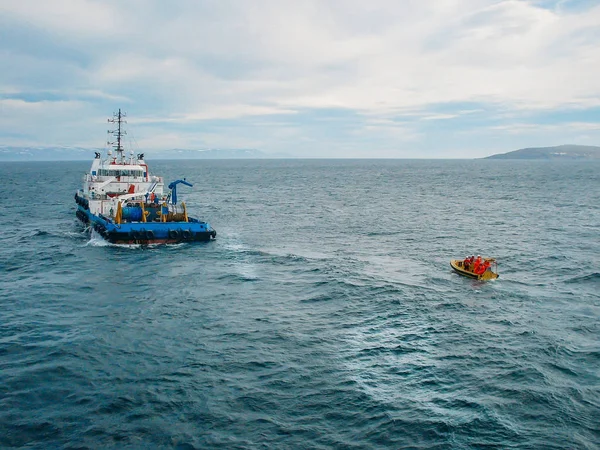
<point>313,78</point>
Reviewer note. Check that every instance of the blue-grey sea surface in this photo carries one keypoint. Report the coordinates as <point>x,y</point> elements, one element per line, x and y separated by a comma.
<point>325,315</point>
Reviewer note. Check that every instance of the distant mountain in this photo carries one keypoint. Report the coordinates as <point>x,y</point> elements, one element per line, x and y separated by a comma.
<point>569,152</point>
<point>46,153</point>
<point>78,154</point>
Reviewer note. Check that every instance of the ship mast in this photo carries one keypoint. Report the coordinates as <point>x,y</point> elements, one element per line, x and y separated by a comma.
<point>118,118</point>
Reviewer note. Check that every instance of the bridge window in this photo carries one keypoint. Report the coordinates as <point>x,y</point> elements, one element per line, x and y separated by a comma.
<point>120,173</point>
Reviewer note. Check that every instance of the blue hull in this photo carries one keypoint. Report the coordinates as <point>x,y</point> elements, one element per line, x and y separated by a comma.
<point>146,233</point>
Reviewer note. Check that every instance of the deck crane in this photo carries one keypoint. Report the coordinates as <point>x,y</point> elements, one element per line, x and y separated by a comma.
<point>173,187</point>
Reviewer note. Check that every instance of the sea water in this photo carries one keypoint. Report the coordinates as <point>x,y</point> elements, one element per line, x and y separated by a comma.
<point>324,315</point>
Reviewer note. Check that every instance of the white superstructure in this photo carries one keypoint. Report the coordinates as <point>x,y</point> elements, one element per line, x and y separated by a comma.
<point>118,178</point>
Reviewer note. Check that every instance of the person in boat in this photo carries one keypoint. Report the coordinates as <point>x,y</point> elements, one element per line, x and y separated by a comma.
<point>470,263</point>
<point>477,263</point>
<point>466,263</point>
<point>486,265</point>
<point>482,268</point>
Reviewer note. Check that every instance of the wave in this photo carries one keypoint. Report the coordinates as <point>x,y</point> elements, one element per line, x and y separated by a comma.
<point>590,278</point>
<point>318,298</point>
<point>238,277</point>
<point>383,233</point>
<point>97,241</point>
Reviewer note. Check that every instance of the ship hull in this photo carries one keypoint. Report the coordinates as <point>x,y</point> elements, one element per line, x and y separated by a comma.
<point>146,233</point>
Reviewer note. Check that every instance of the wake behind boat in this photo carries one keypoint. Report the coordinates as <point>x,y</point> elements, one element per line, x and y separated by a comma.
<point>478,268</point>
<point>125,204</point>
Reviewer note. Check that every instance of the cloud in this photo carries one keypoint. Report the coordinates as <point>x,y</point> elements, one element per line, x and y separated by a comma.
<point>192,63</point>
<point>520,128</point>
<point>439,117</point>
<point>81,17</point>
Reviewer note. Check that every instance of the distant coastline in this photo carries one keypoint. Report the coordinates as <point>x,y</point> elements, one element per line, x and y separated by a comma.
<point>56,153</point>
<point>559,152</point>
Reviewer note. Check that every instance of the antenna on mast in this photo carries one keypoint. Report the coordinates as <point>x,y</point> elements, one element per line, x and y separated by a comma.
<point>118,118</point>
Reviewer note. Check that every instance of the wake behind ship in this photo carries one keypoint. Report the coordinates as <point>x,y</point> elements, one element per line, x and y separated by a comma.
<point>125,204</point>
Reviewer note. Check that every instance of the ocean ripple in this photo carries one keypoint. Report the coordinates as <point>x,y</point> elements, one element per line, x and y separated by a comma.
<point>325,314</point>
